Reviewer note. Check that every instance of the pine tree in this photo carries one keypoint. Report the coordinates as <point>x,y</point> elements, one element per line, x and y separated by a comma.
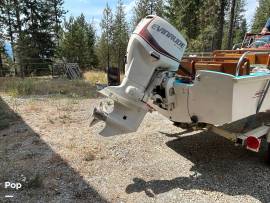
<point>240,32</point>
<point>236,25</point>
<point>55,11</point>
<point>199,21</point>
<point>77,43</point>
<point>231,24</point>
<point>35,47</point>
<point>102,51</point>
<point>91,43</point>
<point>120,36</point>
<point>261,16</point>
<point>209,20</point>
<point>220,21</point>
<point>7,20</point>
<point>2,51</point>
<point>147,7</point>
<point>5,60</point>
<point>105,41</point>
<point>11,20</point>
<point>1,23</point>
<point>30,27</point>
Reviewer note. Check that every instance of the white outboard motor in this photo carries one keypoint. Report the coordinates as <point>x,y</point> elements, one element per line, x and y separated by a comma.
<point>155,46</point>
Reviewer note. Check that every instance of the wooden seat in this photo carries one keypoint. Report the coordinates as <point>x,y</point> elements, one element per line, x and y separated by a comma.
<point>227,65</point>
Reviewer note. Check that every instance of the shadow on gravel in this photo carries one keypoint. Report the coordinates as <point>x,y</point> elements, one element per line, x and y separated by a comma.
<point>218,166</point>
<point>45,176</point>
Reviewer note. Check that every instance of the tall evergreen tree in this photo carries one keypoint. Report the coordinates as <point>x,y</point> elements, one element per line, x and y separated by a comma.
<point>211,21</point>
<point>77,42</point>
<point>55,11</point>
<point>261,15</point>
<point>240,32</point>
<point>7,20</point>
<point>235,27</point>
<point>11,20</point>
<point>205,24</point>
<point>120,36</point>
<point>2,51</point>
<point>29,27</point>
<point>103,52</point>
<point>2,22</point>
<point>2,37</point>
<point>240,22</point>
<point>201,22</point>
<point>220,21</point>
<point>147,7</point>
<point>231,24</point>
<point>105,42</point>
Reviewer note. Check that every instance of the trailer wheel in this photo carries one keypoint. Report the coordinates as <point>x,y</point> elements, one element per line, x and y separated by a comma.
<point>267,157</point>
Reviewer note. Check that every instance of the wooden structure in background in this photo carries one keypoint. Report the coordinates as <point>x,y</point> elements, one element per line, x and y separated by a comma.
<point>69,70</point>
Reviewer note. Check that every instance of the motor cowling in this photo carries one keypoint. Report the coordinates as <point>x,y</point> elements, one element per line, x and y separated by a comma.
<point>155,45</point>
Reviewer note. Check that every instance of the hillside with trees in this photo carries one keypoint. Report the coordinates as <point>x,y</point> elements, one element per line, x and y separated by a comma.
<point>32,29</point>
<point>261,15</point>
<point>40,33</point>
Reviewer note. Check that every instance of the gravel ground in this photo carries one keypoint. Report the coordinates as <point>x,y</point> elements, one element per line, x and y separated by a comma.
<point>49,147</point>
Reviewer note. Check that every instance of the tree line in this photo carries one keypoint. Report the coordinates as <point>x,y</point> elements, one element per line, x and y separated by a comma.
<point>40,35</point>
<point>210,24</point>
<point>32,27</point>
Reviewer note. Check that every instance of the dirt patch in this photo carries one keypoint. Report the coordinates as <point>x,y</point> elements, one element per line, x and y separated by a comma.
<point>49,147</point>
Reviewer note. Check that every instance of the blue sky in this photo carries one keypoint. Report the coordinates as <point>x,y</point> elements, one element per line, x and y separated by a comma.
<point>250,10</point>
<point>93,9</point>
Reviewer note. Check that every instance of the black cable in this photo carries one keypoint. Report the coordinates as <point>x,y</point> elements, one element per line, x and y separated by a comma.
<point>188,105</point>
<point>263,96</point>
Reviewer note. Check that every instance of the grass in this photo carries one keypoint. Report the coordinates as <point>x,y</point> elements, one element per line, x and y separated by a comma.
<point>95,77</point>
<point>47,86</point>
<point>40,86</point>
